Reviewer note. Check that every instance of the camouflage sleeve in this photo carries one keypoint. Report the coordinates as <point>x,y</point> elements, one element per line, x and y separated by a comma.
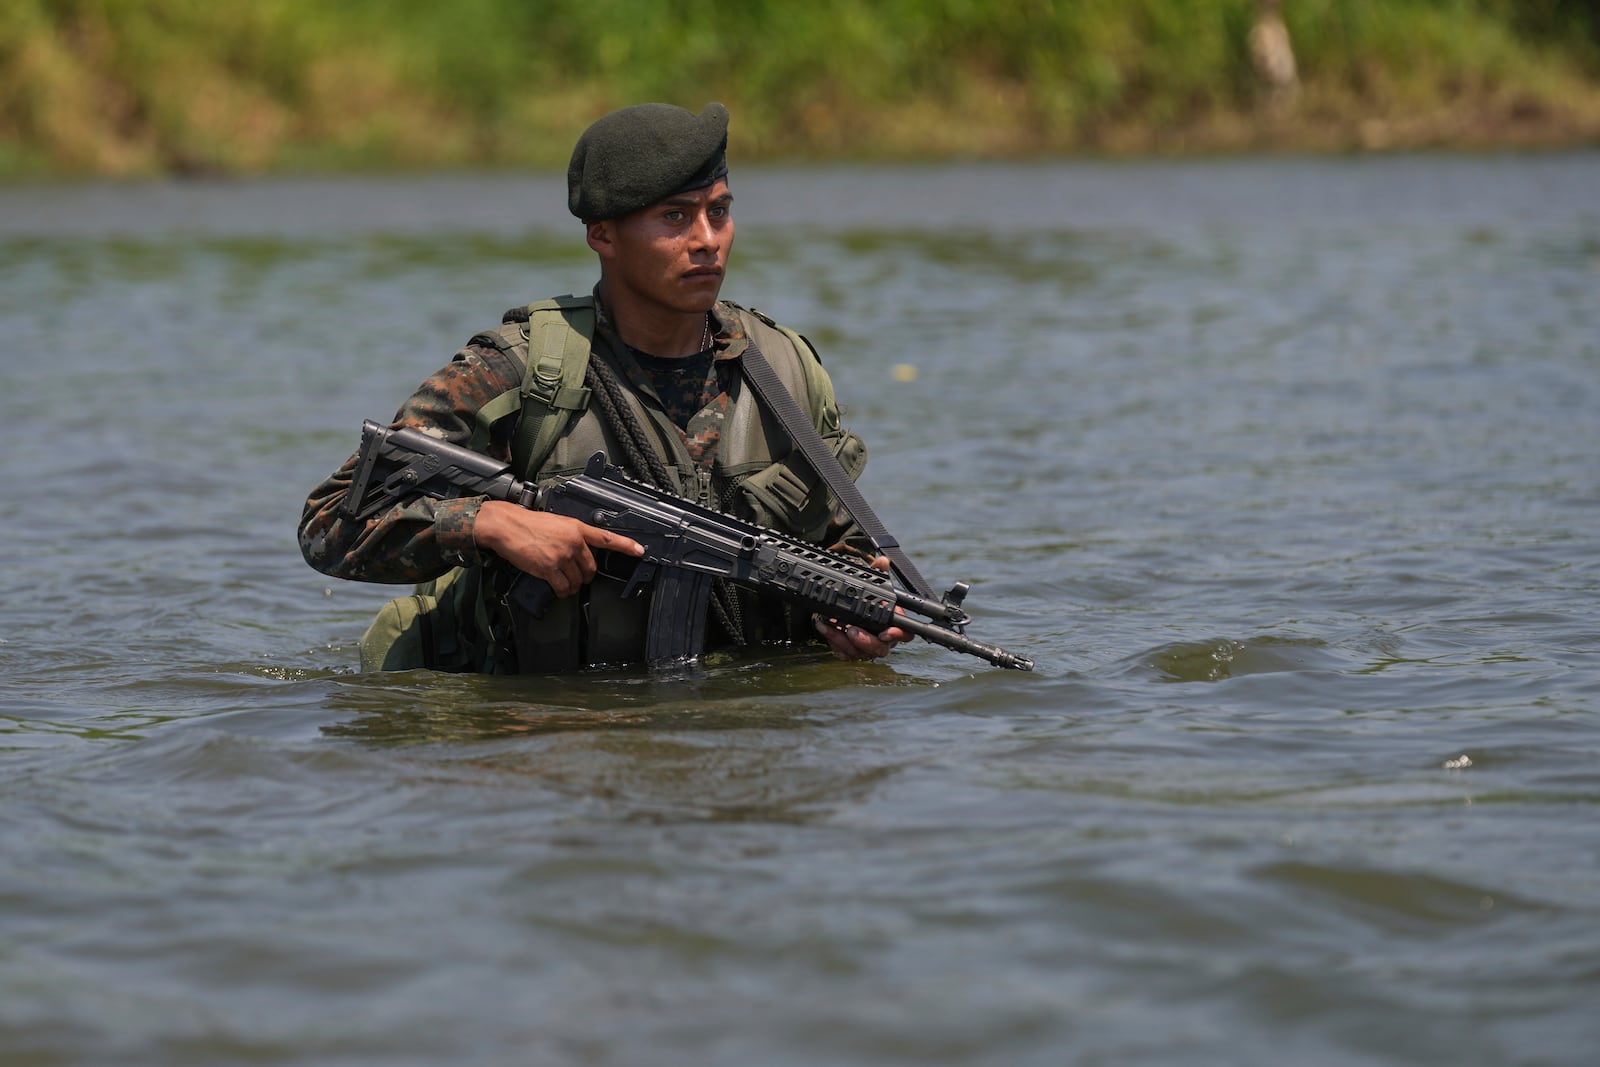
<point>419,539</point>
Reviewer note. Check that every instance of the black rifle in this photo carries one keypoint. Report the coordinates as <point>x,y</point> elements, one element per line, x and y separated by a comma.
<point>686,546</point>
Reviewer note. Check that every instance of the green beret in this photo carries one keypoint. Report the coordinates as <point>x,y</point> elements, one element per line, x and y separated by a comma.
<point>634,157</point>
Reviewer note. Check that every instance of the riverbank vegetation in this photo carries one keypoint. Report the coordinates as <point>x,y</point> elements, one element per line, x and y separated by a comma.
<point>127,87</point>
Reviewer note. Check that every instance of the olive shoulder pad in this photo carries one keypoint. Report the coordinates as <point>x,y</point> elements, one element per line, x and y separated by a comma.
<point>793,335</point>
<point>524,312</point>
<point>511,335</point>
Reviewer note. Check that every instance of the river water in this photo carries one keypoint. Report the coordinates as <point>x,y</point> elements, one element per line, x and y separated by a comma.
<point>1286,472</point>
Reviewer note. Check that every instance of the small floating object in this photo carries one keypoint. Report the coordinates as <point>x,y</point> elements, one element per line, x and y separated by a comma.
<point>905,372</point>
<point>1461,762</point>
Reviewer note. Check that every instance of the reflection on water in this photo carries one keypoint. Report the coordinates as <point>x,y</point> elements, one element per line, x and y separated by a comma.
<point>1283,471</point>
<point>766,690</point>
<point>1213,661</point>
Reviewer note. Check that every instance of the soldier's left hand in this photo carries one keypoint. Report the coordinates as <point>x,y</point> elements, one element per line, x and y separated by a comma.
<point>852,642</point>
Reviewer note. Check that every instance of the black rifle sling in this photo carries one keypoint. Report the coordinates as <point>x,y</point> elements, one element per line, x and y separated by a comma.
<point>770,388</point>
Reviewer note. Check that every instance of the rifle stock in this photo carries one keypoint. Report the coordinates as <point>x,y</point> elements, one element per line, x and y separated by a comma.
<point>686,546</point>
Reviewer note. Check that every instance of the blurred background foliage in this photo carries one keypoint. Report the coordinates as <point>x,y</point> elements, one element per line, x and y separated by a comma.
<point>150,86</point>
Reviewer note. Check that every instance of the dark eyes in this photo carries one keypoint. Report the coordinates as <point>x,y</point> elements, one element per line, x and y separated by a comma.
<point>716,211</point>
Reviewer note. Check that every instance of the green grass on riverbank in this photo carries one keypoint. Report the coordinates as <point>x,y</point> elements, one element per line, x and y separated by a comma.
<point>149,86</point>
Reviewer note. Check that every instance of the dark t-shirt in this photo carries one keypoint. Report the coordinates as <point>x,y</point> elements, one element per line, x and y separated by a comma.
<point>685,384</point>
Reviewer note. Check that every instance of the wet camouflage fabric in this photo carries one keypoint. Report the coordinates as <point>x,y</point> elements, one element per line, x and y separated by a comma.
<point>422,539</point>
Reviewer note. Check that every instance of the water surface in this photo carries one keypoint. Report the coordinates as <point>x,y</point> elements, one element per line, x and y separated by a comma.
<point>1284,471</point>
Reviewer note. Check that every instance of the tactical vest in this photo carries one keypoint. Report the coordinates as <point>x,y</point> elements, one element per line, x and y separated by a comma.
<point>462,620</point>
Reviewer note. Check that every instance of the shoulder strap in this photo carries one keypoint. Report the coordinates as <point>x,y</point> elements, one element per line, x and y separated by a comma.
<point>558,333</point>
<point>769,387</point>
<point>818,387</point>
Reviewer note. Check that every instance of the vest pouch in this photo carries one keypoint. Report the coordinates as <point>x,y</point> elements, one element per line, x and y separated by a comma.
<point>595,627</point>
<point>426,630</point>
<point>550,643</point>
<point>790,497</point>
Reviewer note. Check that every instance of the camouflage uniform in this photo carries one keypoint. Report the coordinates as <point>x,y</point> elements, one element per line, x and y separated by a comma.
<point>422,539</point>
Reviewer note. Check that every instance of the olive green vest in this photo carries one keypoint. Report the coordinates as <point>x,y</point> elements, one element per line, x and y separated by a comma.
<point>461,621</point>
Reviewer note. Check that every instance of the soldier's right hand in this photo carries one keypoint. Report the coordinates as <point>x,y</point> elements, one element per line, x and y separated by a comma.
<point>557,548</point>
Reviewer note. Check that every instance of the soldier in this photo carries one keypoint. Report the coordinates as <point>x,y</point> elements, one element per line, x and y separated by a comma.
<point>646,368</point>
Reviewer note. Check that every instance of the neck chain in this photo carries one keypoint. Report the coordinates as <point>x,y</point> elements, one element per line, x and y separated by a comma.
<point>705,342</point>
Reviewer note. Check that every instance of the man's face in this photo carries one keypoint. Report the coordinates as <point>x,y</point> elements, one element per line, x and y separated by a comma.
<point>672,255</point>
